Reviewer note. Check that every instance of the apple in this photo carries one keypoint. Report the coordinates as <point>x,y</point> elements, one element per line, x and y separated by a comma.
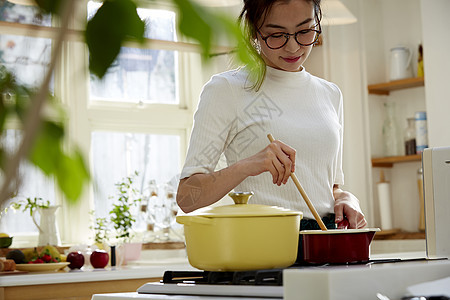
<point>76,260</point>
<point>99,258</point>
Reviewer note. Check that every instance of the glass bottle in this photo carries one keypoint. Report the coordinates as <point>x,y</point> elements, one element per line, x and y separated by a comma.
<point>150,211</point>
<point>390,131</point>
<point>410,137</point>
<point>421,131</point>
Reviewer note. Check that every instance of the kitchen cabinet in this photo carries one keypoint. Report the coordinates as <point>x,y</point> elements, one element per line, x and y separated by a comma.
<point>72,291</point>
<point>385,89</point>
<point>82,284</point>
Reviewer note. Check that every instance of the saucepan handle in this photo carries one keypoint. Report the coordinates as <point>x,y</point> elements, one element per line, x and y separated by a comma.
<point>343,224</point>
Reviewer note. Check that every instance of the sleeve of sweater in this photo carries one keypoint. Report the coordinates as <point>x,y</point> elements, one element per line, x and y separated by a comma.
<point>213,119</point>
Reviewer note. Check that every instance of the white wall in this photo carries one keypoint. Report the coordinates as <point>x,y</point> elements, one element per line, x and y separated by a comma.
<point>436,24</point>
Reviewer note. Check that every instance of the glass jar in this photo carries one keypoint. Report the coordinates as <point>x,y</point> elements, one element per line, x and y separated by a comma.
<point>410,137</point>
<point>390,131</point>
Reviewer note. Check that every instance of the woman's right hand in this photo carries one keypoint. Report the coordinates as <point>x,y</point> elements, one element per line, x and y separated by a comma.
<point>277,158</point>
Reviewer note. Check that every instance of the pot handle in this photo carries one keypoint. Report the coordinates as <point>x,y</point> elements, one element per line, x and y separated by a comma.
<point>188,220</point>
<point>410,53</point>
<point>35,223</point>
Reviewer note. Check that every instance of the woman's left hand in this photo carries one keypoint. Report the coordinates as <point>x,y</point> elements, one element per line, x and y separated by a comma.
<point>346,204</point>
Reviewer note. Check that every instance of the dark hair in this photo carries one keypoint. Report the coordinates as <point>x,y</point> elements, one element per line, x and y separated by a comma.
<point>253,15</point>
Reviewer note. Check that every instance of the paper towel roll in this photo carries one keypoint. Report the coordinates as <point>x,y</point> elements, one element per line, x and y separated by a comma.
<point>384,198</point>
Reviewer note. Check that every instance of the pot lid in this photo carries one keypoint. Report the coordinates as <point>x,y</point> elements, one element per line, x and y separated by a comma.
<point>242,209</point>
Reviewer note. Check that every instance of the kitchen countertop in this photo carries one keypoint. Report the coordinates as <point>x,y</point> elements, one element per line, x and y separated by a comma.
<point>151,264</point>
<point>155,270</point>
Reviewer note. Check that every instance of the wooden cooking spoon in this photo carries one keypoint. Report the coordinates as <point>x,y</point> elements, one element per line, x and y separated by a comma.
<point>303,193</point>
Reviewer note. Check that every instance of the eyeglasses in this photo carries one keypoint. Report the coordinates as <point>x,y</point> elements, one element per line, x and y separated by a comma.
<point>305,37</point>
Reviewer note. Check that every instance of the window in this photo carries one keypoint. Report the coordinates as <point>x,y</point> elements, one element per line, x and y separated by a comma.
<point>138,118</point>
<point>137,78</point>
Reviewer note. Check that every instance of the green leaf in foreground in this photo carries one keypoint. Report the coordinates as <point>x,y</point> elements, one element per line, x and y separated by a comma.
<point>206,25</point>
<point>71,175</point>
<point>192,24</point>
<point>114,22</point>
<point>244,50</point>
<point>69,169</point>
<point>47,150</point>
<point>50,6</point>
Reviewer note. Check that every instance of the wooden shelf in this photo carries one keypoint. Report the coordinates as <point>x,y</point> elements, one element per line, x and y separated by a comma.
<point>395,234</point>
<point>388,162</point>
<point>386,87</point>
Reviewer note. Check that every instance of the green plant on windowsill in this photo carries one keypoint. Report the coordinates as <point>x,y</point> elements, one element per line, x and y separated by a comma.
<point>121,215</point>
<point>30,204</point>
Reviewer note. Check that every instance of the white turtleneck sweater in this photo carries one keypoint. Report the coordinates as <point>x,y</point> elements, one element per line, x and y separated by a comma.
<point>299,109</point>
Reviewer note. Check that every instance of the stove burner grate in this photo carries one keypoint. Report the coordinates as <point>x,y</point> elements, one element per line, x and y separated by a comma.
<point>258,277</point>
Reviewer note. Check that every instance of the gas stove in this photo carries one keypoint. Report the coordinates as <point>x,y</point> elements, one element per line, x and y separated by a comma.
<point>363,281</point>
<point>258,283</point>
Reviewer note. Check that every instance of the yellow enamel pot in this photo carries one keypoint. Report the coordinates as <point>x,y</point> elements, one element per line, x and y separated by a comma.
<point>241,236</point>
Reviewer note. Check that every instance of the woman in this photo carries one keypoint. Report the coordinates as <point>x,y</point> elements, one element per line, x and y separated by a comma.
<point>303,112</point>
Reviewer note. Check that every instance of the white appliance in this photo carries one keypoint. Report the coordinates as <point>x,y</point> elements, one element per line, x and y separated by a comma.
<point>436,179</point>
<point>362,282</point>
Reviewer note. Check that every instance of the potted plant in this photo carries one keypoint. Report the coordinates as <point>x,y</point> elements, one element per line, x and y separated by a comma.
<point>121,215</point>
<point>122,219</point>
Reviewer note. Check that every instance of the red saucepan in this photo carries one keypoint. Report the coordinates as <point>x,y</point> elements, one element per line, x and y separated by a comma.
<point>335,246</point>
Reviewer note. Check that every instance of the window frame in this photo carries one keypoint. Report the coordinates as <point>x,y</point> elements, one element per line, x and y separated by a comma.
<point>83,116</point>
